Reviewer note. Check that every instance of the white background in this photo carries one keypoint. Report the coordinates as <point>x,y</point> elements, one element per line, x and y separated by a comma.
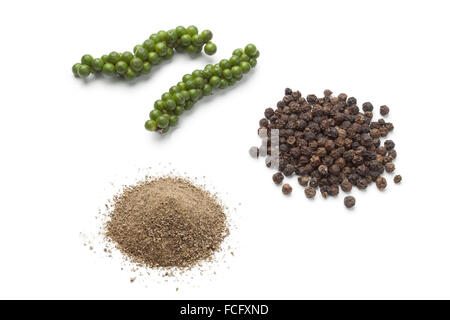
<point>64,140</point>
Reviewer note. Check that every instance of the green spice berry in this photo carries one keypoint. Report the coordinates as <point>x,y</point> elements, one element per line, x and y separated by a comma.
<point>187,77</point>
<point>155,114</point>
<point>185,40</point>
<point>136,64</point>
<point>151,125</point>
<point>170,104</point>
<point>252,62</point>
<point>156,38</point>
<point>238,52</point>
<point>174,89</point>
<point>113,57</point>
<point>154,58</point>
<point>75,68</point>
<point>217,70</point>
<point>235,60</point>
<point>166,96</point>
<point>97,64</point>
<point>149,45</point>
<point>189,105</point>
<point>207,90</point>
<point>192,30</point>
<point>159,105</point>
<point>147,67</point>
<point>197,73</point>
<point>250,50</point>
<point>197,40</point>
<point>227,74</point>
<point>87,59</point>
<point>179,99</point>
<point>181,85</point>
<point>237,72</point>
<point>84,70</point>
<point>199,82</point>
<point>245,66</point>
<point>223,84</point>
<point>169,53</point>
<point>130,74</point>
<point>173,120</point>
<point>121,67</point>
<point>162,35</point>
<point>245,57</point>
<point>214,81</point>
<point>206,35</point>
<point>178,110</point>
<point>180,31</point>
<point>141,53</point>
<point>186,95</point>
<point>163,121</point>
<point>225,64</point>
<point>105,58</point>
<point>161,49</point>
<point>210,48</point>
<point>191,49</point>
<point>171,36</point>
<point>109,69</point>
<point>207,72</point>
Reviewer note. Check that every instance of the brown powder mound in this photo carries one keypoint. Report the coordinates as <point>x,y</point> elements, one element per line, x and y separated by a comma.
<point>167,222</point>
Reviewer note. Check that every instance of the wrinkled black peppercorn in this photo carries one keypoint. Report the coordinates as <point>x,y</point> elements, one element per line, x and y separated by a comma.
<point>384,110</point>
<point>349,201</point>
<point>278,178</point>
<point>286,189</point>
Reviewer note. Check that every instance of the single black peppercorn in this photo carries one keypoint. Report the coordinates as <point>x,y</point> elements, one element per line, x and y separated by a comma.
<point>303,180</point>
<point>310,192</point>
<point>398,179</point>
<point>384,110</point>
<point>381,183</point>
<point>389,167</point>
<point>367,106</point>
<point>286,189</point>
<point>278,178</point>
<point>349,201</point>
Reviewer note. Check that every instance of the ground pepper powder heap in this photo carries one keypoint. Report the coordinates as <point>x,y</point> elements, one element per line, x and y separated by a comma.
<point>167,223</point>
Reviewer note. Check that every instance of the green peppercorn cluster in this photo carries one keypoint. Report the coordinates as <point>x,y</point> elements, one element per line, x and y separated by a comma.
<point>198,84</point>
<point>158,47</point>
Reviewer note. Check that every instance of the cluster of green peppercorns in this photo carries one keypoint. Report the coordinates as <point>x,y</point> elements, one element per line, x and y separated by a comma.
<point>160,46</point>
<point>198,84</point>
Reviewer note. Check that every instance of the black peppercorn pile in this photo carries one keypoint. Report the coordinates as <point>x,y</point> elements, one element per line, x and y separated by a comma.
<point>328,142</point>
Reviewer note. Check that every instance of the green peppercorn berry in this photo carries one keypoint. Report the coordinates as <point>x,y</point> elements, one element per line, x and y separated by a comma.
<point>75,68</point>
<point>121,67</point>
<point>250,50</point>
<point>189,105</point>
<point>154,58</point>
<point>245,57</point>
<point>113,57</point>
<point>199,82</point>
<point>252,62</point>
<point>185,40</point>
<point>197,73</point>
<point>87,59</point>
<point>191,49</point>
<point>173,90</point>
<point>235,60</point>
<point>238,52</point>
<point>130,74</point>
<point>84,70</point>
<point>206,35</point>
<point>179,98</point>
<point>238,77</point>
<point>155,114</point>
<point>192,30</point>
<point>136,64</point>
<point>156,38</point>
<point>198,49</point>
<point>256,55</point>
<point>217,70</point>
<point>236,71</point>
<point>97,64</point>
<point>214,81</point>
<point>225,64</point>
<point>180,31</point>
<point>170,104</point>
<point>163,121</point>
<point>210,48</point>
<point>105,58</point>
<point>186,95</point>
<point>190,84</point>
<point>227,74</point>
<point>171,36</point>
<point>180,49</point>
<point>162,35</point>
<point>166,96</point>
<point>181,85</point>
<point>141,53</point>
<point>194,94</point>
<point>169,53</point>
<point>187,77</point>
<point>151,125</point>
<point>109,69</point>
<point>207,90</point>
<point>161,49</point>
<point>232,81</point>
<point>147,67</point>
<point>173,120</point>
<point>159,105</point>
<point>149,45</point>
<point>245,66</point>
<point>197,40</point>
<point>178,110</point>
<point>223,84</point>
<point>207,73</point>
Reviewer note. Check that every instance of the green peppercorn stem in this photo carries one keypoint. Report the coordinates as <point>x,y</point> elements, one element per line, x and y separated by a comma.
<point>158,47</point>
<point>198,84</point>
